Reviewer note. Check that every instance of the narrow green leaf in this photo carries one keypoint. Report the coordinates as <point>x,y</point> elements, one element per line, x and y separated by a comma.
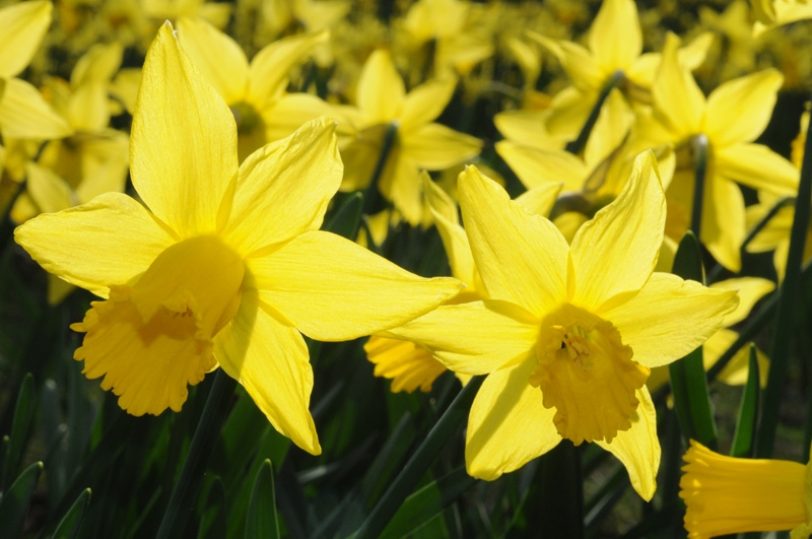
<point>688,383</point>
<point>14,503</point>
<point>20,427</point>
<point>262,519</point>
<point>748,411</point>
<point>346,219</point>
<point>785,318</point>
<point>213,519</point>
<point>388,459</point>
<point>71,522</point>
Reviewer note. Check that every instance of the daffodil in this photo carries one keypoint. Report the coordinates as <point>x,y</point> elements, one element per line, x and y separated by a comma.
<point>681,113</point>
<point>418,142</point>
<point>568,332</point>
<point>726,495</point>
<point>256,92</point>
<point>223,265</point>
<point>772,13</point>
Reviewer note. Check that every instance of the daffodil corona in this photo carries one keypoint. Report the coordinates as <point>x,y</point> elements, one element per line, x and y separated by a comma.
<point>223,265</point>
<point>566,334</point>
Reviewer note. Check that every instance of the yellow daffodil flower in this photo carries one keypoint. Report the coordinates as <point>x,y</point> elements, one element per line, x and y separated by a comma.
<point>224,265</point>
<point>726,495</point>
<point>256,92</point>
<point>24,114</point>
<point>772,13</point>
<point>568,332</point>
<point>418,142</point>
<point>680,114</point>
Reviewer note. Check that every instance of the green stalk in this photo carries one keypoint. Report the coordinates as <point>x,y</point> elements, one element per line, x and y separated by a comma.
<point>790,290</point>
<point>577,146</point>
<point>699,147</point>
<point>372,194</point>
<point>408,478</point>
<point>183,495</point>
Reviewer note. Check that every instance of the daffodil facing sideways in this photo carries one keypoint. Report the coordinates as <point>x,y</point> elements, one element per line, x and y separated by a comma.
<point>567,333</point>
<point>223,265</point>
<point>727,495</point>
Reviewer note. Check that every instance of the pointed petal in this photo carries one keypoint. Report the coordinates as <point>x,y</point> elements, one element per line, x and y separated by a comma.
<point>723,222</point>
<point>98,65</point>
<point>726,123</point>
<point>425,103</point>
<point>757,166</point>
<point>437,147</point>
<point>283,188</point>
<point>750,290</point>
<point>669,318</point>
<point>89,107</point>
<point>526,127</point>
<point>380,92</point>
<point>271,66</point>
<point>508,425</point>
<point>617,250</point>
<point>184,140</point>
<point>290,112</point>
<point>454,239</point>
<point>582,68</point>
<point>540,200</point>
<point>48,191</point>
<point>522,258</point>
<point>471,338</point>
<point>536,167</point>
<point>677,98</point>
<point>24,25</point>
<point>105,242</point>
<point>638,448</point>
<point>24,114</point>
<point>332,289</point>
<point>218,57</point>
<point>615,37</point>
<point>270,360</point>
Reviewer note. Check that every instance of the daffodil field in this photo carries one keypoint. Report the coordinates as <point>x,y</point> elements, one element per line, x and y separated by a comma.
<point>412,268</point>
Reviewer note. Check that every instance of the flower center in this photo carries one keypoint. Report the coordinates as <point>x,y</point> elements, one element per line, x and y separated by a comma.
<point>587,374</point>
<point>153,337</point>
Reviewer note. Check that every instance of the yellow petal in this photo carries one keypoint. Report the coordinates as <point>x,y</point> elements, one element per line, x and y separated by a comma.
<point>508,425</point>
<point>268,74</point>
<point>425,103</point>
<point>283,188</point>
<point>723,226</point>
<point>638,448</point>
<point>677,98</point>
<point>88,107</point>
<point>98,65</point>
<point>184,140</point>
<point>527,127</point>
<point>217,56</point>
<point>726,124</point>
<point>454,239</point>
<point>539,200</point>
<point>105,242</point>
<point>24,114</point>
<point>750,290</point>
<point>669,318</point>
<point>522,258</point>
<point>24,25</point>
<point>437,147</point>
<point>48,191</point>
<point>408,365</point>
<point>579,64</point>
<point>757,166</point>
<point>536,167</point>
<point>401,184</point>
<point>290,112</point>
<point>380,92</point>
<point>271,361</point>
<point>472,337</point>
<point>614,121</point>
<point>736,371</point>
<point>332,289</point>
<point>58,290</point>
<point>615,37</point>
<point>617,250</point>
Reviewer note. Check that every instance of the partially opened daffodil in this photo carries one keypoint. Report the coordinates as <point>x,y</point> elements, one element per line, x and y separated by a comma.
<point>223,265</point>
<point>567,333</point>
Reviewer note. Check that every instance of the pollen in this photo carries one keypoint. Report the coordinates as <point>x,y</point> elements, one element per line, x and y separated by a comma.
<point>586,374</point>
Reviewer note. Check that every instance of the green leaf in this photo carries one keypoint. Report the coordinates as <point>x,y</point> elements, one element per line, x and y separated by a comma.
<point>71,521</point>
<point>347,218</point>
<point>748,411</point>
<point>261,519</point>
<point>20,427</point>
<point>14,504</point>
<point>688,383</point>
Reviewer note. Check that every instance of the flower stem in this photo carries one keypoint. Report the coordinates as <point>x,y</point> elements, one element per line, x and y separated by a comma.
<point>408,478</point>
<point>787,303</point>
<point>699,147</point>
<point>208,428</point>
<point>577,146</point>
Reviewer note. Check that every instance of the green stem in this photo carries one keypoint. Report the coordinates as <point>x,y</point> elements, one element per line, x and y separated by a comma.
<point>408,478</point>
<point>577,146</point>
<point>699,147</point>
<point>214,413</point>
<point>790,290</point>
<point>562,497</point>
<point>373,200</point>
